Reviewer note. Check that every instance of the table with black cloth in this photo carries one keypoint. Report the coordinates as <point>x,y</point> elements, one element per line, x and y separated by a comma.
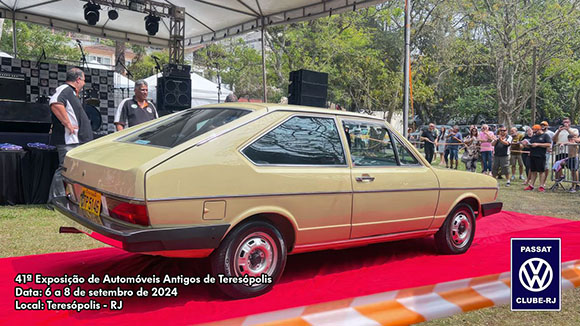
<point>12,189</point>
<point>26,175</point>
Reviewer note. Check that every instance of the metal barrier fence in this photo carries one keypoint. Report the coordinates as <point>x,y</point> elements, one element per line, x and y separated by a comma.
<point>565,165</point>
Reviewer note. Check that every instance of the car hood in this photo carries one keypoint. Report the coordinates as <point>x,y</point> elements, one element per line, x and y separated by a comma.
<point>462,179</point>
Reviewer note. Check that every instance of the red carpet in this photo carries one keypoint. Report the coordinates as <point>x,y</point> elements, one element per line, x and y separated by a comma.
<point>308,278</point>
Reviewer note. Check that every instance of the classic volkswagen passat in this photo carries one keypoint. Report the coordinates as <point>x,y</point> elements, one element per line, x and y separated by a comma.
<point>247,184</point>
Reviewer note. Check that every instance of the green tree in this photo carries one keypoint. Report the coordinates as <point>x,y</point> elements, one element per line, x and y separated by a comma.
<point>512,30</point>
<point>145,66</point>
<point>31,39</point>
<point>237,64</point>
<point>560,95</point>
<point>344,46</point>
<point>471,59</point>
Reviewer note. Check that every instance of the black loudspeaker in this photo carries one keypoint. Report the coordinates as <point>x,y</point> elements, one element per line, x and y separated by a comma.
<point>24,117</point>
<point>175,70</point>
<point>173,93</point>
<point>308,88</point>
<point>12,87</point>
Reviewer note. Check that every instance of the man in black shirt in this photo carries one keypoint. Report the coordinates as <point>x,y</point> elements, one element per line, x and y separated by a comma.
<point>135,110</point>
<point>429,136</point>
<point>70,124</point>
<point>538,145</point>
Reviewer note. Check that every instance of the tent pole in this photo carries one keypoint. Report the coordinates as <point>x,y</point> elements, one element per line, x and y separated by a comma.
<point>265,96</point>
<point>407,67</point>
<point>14,34</point>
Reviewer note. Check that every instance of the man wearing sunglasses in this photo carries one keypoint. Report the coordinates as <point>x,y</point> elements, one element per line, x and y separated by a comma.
<point>70,124</point>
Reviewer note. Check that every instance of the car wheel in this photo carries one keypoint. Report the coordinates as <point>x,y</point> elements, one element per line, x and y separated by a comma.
<point>249,251</point>
<point>457,232</point>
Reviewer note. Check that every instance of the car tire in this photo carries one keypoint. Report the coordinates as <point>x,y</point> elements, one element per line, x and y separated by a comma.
<point>252,249</point>
<point>457,232</point>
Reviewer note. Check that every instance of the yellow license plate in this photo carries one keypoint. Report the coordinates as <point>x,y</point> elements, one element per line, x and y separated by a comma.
<point>90,201</point>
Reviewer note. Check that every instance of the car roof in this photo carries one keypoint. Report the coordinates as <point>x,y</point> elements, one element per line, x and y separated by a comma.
<point>287,107</point>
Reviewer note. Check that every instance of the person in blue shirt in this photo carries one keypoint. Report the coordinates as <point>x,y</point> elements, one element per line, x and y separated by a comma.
<point>454,137</point>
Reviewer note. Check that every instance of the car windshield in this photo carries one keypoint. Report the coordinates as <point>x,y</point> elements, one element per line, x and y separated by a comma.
<point>184,126</point>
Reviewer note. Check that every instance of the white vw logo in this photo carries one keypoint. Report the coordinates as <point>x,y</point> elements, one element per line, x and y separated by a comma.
<point>536,283</point>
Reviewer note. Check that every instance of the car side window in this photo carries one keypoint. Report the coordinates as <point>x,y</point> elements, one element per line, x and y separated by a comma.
<point>370,144</point>
<point>405,156</point>
<point>299,141</point>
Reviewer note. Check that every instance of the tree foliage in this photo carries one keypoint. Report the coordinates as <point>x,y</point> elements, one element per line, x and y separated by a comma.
<point>32,39</point>
<point>513,31</point>
<point>471,60</point>
<point>235,64</point>
<point>144,65</point>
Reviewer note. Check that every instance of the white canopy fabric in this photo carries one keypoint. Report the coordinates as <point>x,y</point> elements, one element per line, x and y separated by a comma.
<point>123,82</point>
<point>203,91</point>
<point>205,20</point>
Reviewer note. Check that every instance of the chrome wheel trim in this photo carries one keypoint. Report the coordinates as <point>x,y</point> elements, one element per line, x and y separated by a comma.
<point>460,230</point>
<point>256,254</point>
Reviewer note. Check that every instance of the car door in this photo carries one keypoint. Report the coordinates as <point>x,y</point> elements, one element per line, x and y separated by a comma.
<point>393,191</point>
<point>306,173</point>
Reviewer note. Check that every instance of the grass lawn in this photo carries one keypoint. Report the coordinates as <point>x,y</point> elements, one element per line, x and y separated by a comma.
<point>557,204</point>
<point>27,230</point>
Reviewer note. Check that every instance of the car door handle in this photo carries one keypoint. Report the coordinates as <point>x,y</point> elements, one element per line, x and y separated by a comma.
<point>365,178</point>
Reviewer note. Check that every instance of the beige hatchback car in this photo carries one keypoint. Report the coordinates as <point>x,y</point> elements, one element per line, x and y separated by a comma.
<point>247,184</point>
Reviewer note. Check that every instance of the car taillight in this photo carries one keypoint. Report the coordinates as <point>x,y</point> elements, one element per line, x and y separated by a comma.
<point>132,213</point>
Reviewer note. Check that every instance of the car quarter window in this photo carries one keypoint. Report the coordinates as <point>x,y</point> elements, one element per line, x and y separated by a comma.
<point>370,143</point>
<point>405,156</point>
<point>184,126</point>
<point>301,140</point>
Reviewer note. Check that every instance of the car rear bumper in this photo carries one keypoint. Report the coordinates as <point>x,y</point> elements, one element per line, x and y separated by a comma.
<point>140,239</point>
<point>490,208</point>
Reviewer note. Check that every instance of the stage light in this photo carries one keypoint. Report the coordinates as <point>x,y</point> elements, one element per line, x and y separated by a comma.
<point>92,14</point>
<point>152,24</point>
<point>113,14</point>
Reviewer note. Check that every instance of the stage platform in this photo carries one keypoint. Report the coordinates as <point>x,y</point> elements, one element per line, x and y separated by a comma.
<point>310,280</point>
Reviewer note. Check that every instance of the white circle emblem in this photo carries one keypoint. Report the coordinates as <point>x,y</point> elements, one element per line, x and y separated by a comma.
<point>530,276</point>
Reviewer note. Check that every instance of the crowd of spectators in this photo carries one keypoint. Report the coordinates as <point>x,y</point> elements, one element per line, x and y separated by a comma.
<point>508,153</point>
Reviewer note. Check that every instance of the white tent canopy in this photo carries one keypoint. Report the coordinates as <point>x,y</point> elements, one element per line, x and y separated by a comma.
<point>203,91</point>
<point>6,55</point>
<point>123,82</point>
<point>205,20</point>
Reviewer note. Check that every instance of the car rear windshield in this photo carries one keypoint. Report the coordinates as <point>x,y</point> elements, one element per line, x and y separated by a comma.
<point>184,126</point>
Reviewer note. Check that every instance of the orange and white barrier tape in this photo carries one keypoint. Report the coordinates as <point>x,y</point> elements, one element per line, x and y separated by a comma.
<point>403,307</point>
